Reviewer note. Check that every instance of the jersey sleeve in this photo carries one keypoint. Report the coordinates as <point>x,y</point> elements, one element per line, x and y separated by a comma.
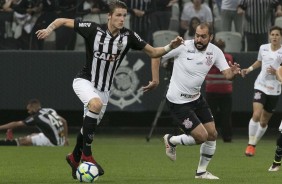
<point>84,28</point>
<point>29,121</point>
<point>220,60</point>
<point>136,42</point>
<point>259,53</point>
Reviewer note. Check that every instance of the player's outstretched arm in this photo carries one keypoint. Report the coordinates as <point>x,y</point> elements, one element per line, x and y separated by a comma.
<point>44,33</point>
<point>231,72</point>
<point>155,52</point>
<point>254,66</point>
<point>12,125</point>
<point>155,65</point>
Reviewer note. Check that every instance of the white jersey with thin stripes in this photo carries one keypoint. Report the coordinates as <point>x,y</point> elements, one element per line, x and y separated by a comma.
<point>190,69</point>
<point>104,52</point>
<point>266,82</point>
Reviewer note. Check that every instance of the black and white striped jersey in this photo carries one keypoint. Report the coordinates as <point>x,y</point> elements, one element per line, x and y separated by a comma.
<point>49,123</point>
<point>104,52</point>
<point>258,14</point>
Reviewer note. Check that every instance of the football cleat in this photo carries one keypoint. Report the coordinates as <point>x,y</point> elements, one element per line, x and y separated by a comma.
<point>73,164</point>
<point>170,149</point>
<point>91,159</point>
<point>250,151</point>
<point>206,175</point>
<point>9,134</point>
<point>274,167</point>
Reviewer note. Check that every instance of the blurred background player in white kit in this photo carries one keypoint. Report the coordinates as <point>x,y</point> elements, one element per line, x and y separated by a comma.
<point>267,88</point>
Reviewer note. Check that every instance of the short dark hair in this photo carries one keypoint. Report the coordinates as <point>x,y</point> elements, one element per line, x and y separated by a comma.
<point>206,25</point>
<point>116,4</point>
<point>34,101</point>
<point>278,28</point>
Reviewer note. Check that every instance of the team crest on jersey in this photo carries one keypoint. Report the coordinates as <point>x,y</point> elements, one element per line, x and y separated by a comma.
<point>187,123</point>
<point>209,60</point>
<point>119,45</point>
<point>257,96</point>
<point>125,88</point>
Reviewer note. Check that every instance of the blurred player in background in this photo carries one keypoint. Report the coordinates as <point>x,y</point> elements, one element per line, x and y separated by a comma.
<point>192,62</point>
<point>219,96</point>
<point>106,46</point>
<point>278,152</point>
<point>267,88</point>
<point>53,128</point>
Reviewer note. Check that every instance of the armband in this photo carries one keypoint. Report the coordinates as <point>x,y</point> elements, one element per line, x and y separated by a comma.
<point>251,68</point>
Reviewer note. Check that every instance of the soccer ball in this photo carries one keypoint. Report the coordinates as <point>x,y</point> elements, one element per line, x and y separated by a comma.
<point>87,172</point>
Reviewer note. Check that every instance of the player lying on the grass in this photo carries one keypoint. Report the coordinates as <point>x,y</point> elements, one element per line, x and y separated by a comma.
<point>278,152</point>
<point>53,128</point>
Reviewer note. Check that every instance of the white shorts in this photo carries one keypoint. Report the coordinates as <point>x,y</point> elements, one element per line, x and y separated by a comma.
<point>85,91</point>
<point>40,140</point>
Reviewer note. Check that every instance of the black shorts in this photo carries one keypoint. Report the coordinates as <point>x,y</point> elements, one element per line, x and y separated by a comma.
<point>189,115</point>
<point>269,102</point>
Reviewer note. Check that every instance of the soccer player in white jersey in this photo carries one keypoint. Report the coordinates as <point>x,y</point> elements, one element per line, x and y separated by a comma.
<point>106,46</point>
<point>266,88</point>
<point>192,62</point>
<point>53,128</point>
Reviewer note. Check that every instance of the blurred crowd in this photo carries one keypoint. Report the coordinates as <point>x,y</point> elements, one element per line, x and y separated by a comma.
<point>20,19</point>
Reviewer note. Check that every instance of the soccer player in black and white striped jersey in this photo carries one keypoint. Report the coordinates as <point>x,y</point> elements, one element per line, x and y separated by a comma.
<point>53,128</point>
<point>106,46</point>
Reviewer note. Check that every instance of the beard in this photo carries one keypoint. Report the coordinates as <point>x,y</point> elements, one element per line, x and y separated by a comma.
<point>200,46</point>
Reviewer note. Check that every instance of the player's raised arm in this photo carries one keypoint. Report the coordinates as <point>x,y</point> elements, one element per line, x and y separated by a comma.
<point>44,33</point>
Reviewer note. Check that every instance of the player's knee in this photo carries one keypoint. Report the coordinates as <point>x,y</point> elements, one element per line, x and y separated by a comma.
<point>256,116</point>
<point>95,105</point>
<point>212,136</point>
<point>201,137</point>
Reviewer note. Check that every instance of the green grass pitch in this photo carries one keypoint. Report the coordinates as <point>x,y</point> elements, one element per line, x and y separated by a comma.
<point>132,160</point>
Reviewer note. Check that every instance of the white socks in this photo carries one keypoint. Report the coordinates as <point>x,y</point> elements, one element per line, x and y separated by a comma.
<point>182,139</point>
<point>253,127</point>
<point>255,132</point>
<point>207,151</point>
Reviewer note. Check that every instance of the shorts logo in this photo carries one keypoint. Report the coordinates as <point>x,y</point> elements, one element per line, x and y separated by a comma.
<point>257,96</point>
<point>187,123</point>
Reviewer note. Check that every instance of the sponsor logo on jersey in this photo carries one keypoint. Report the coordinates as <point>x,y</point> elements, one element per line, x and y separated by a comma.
<point>191,51</point>
<point>138,37</point>
<point>209,53</point>
<point>84,24</point>
<point>125,34</point>
<point>105,56</point>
